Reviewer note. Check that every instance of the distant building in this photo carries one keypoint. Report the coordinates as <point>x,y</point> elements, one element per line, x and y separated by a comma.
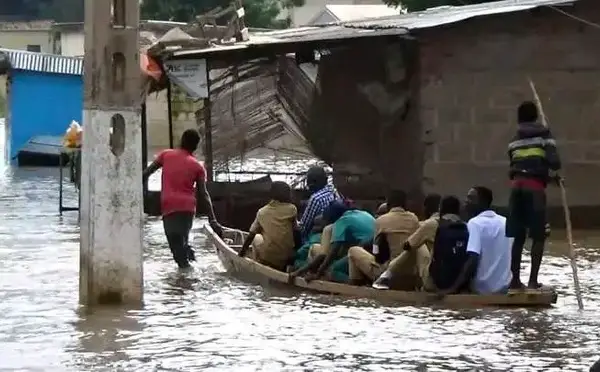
<point>302,16</point>
<point>346,13</point>
<point>33,36</point>
<point>44,94</point>
<point>473,74</point>
<point>68,38</point>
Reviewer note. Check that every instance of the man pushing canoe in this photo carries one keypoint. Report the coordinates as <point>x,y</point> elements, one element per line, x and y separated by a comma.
<point>533,156</point>
<point>181,173</point>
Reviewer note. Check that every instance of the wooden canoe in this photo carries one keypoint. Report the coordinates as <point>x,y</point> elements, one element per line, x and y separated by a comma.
<point>262,274</point>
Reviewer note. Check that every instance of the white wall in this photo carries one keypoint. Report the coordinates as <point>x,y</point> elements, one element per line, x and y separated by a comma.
<point>324,18</point>
<point>158,121</point>
<point>72,43</point>
<point>304,14</point>
<point>19,39</point>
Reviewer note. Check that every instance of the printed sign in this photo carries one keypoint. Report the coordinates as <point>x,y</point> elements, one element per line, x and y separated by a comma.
<point>190,75</point>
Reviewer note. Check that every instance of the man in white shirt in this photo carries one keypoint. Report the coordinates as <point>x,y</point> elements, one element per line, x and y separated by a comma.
<point>488,249</point>
<point>487,238</point>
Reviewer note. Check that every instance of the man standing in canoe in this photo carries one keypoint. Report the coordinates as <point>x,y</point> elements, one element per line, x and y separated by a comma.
<point>533,156</point>
<point>321,195</point>
<point>181,172</point>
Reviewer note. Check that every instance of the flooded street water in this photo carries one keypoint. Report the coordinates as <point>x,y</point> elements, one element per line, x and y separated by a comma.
<point>211,321</point>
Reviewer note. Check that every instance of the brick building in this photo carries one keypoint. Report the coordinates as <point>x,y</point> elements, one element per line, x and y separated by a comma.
<point>475,63</point>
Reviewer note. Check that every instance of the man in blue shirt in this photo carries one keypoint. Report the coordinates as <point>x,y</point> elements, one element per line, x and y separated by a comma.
<point>322,194</point>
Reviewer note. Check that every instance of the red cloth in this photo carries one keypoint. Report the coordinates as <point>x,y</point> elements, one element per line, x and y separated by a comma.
<point>180,171</point>
<point>149,67</point>
<point>528,183</point>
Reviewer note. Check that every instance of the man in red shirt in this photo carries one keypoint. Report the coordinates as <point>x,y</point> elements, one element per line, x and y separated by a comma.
<point>181,172</point>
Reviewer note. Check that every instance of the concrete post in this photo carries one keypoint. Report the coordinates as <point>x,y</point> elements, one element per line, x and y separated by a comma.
<point>111,182</point>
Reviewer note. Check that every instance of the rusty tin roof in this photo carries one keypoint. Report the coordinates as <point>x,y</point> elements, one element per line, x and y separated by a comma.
<point>451,14</point>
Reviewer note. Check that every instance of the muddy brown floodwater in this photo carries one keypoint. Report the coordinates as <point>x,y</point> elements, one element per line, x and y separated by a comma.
<point>212,321</point>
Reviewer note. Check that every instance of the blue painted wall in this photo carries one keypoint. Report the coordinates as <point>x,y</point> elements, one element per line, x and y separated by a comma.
<point>41,104</point>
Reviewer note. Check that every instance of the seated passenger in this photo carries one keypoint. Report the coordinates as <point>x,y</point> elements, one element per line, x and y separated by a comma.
<point>346,226</point>
<point>449,252</point>
<point>272,232</point>
<point>419,247</point>
<point>431,205</point>
<point>395,227</point>
<point>321,195</point>
<point>381,210</point>
<point>488,267</point>
<point>301,256</point>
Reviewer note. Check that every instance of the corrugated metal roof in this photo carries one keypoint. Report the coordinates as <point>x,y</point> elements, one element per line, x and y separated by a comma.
<point>41,25</point>
<point>323,33</point>
<point>451,14</point>
<point>382,26</point>
<point>41,62</point>
<point>292,35</point>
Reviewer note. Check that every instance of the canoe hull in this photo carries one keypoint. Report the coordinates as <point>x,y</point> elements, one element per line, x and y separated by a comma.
<point>42,151</point>
<point>262,274</point>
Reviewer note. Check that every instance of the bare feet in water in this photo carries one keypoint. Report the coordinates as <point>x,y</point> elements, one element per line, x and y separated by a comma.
<point>516,284</point>
<point>520,286</point>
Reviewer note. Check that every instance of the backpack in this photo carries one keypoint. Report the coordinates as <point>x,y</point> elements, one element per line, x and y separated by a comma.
<point>449,252</point>
<point>379,248</point>
<point>381,251</point>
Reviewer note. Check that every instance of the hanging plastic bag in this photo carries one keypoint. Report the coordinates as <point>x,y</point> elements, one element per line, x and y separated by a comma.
<point>72,138</point>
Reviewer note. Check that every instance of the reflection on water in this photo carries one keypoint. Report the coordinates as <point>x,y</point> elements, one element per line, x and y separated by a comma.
<point>209,320</point>
<point>290,167</point>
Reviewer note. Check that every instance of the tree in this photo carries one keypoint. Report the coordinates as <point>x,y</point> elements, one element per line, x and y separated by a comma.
<point>57,10</point>
<point>23,9</point>
<point>417,5</point>
<point>62,10</point>
<point>259,13</point>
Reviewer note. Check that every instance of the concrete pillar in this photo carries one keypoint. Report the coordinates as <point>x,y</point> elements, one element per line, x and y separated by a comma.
<point>111,183</point>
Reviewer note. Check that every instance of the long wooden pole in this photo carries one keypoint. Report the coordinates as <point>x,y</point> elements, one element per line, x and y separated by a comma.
<point>208,130</point>
<point>563,193</point>
<point>170,113</point>
<point>144,127</point>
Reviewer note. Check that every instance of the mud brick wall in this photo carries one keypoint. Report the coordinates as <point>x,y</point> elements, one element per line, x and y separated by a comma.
<point>362,120</point>
<point>474,75</point>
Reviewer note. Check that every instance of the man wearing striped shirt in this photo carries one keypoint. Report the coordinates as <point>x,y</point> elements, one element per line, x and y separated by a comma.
<point>534,161</point>
<point>322,194</point>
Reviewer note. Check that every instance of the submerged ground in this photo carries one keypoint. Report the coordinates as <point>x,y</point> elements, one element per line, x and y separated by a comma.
<point>212,321</point>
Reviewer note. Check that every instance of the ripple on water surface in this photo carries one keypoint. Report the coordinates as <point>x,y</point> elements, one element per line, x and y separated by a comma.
<point>210,320</point>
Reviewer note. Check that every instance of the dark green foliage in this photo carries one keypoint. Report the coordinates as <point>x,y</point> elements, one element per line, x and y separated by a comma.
<point>57,10</point>
<point>259,13</point>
